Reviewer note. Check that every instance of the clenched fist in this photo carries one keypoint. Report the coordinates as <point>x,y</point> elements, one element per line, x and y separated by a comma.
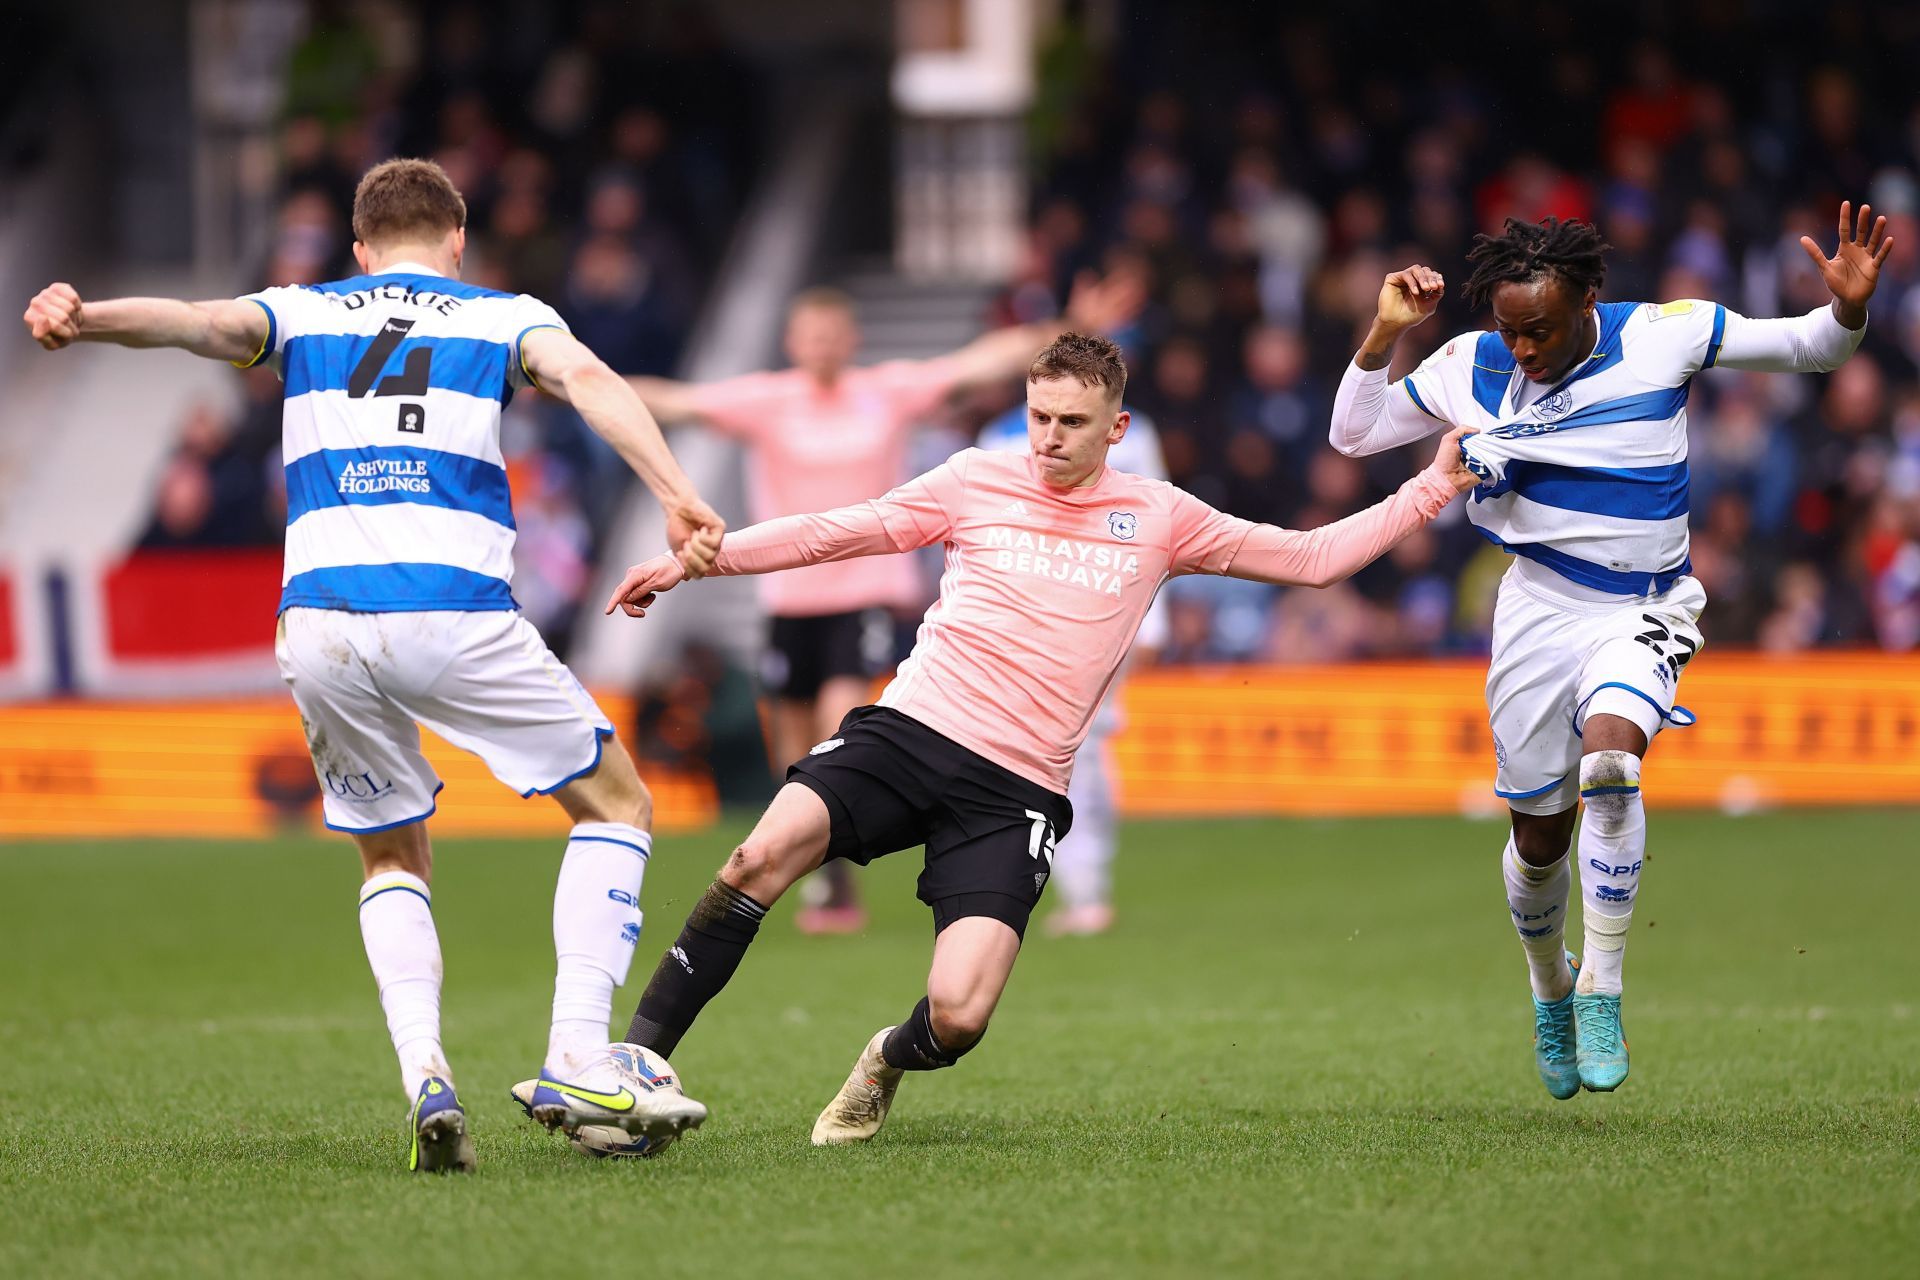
<point>53,317</point>
<point>1409,297</point>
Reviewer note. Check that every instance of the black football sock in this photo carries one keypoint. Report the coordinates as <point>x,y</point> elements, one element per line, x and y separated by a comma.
<point>912,1046</point>
<point>710,948</point>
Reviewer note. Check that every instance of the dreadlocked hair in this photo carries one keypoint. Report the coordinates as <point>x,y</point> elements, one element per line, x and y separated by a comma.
<point>1527,251</point>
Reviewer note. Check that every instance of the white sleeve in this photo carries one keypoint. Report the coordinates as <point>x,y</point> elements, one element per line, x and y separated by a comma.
<point>291,310</point>
<point>529,313</point>
<point>1372,414</point>
<point>1813,343</point>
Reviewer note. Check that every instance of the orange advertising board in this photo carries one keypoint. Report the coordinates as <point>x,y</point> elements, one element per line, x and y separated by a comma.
<point>239,767</point>
<point>1347,739</point>
<point>1413,737</point>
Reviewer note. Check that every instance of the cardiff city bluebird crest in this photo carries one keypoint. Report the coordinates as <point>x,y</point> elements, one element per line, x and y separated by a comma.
<point>1123,524</point>
<point>1554,407</point>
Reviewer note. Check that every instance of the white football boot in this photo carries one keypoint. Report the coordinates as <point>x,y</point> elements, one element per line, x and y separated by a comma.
<point>860,1108</point>
<point>615,1091</point>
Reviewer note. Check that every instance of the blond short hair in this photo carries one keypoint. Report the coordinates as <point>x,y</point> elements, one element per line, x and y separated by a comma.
<point>1089,359</point>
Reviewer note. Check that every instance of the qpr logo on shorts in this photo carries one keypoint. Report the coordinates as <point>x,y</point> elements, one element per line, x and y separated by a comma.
<point>1554,407</point>
<point>1499,752</point>
<point>1123,524</point>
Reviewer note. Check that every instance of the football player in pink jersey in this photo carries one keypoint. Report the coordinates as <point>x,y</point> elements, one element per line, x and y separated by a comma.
<point>826,433</point>
<point>1052,560</point>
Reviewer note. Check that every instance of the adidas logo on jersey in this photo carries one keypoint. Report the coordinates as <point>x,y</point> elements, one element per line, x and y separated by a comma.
<point>1016,508</point>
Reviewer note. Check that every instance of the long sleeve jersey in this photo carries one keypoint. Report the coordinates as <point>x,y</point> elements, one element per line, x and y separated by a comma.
<point>1045,587</point>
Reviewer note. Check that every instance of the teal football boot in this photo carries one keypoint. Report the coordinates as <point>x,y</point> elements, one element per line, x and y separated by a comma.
<point>1554,1051</point>
<point>1602,1045</point>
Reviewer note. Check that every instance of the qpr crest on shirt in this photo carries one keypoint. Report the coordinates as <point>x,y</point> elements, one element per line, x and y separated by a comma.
<point>1123,524</point>
<point>1554,407</point>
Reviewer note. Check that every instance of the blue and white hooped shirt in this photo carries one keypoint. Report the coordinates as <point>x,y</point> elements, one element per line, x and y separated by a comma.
<point>396,489</point>
<point>1587,477</point>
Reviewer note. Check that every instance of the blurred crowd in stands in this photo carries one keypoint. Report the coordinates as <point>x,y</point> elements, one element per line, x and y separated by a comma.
<point>1262,172</point>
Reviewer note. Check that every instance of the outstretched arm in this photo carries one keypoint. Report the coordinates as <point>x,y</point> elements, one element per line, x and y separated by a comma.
<point>561,364</point>
<point>225,329</point>
<point>1371,414</point>
<point>1096,305</point>
<point>1824,338</point>
<point>667,399</point>
<point>786,543</point>
<point>1323,556</point>
<point>1813,343</point>
<point>914,515</point>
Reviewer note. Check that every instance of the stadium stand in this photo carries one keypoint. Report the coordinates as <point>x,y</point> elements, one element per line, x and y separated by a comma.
<point>1264,211</point>
<point>1267,208</point>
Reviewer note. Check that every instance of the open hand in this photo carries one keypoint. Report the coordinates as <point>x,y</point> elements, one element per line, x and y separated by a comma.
<point>1101,304</point>
<point>643,584</point>
<point>1853,272</point>
<point>694,530</point>
<point>1410,296</point>
<point>53,317</point>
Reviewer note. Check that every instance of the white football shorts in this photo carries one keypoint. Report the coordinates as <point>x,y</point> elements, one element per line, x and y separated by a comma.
<point>486,682</point>
<point>1558,660</point>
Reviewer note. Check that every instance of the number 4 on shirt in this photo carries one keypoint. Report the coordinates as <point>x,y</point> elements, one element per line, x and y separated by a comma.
<point>412,378</point>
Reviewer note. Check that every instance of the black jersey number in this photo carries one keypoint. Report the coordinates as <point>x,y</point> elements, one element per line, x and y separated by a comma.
<point>412,378</point>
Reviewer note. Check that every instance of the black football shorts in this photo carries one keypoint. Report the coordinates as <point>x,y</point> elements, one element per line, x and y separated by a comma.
<point>804,653</point>
<point>890,783</point>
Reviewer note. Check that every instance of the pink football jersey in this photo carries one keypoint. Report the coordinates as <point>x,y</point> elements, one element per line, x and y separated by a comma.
<point>1045,587</point>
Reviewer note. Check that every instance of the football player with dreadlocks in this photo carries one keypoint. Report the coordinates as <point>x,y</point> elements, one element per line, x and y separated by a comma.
<point>1581,457</point>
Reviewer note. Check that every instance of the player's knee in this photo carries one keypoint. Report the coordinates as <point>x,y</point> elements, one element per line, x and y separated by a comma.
<point>1609,769</point>
<point>397,849</point>
<point>632,804</point>
<point>756,868</point>
<point>625,795</point>
<point>1609,783</point>
<point>640,805</point>
<point>613,792</point>
<point>1543,842</point>
<point>746,863</point>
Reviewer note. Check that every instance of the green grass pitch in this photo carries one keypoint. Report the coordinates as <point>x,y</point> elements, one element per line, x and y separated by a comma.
<point>1305,1051</point>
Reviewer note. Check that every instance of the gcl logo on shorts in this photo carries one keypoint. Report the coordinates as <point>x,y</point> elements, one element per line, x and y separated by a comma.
<point>357,786</point>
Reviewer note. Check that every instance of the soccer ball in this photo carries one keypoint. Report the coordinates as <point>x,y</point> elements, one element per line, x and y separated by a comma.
<point>643,1071</point>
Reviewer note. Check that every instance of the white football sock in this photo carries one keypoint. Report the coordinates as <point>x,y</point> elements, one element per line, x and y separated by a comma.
<point>1613,843</point>
<point>1537,900</point>
<point>396,923</point>
<point>596,922</point>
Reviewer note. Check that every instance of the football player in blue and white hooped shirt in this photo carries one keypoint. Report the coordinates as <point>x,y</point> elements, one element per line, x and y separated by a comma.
<point>1582,459</point>
<point>397,608</point>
